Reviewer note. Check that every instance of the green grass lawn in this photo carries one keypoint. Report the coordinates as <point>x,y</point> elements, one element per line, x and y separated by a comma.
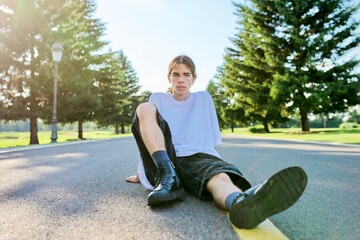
<point>336,135</point>
<point>17,139</point>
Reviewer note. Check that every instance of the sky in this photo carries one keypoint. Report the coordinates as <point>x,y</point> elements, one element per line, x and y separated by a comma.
<point>152,32</point>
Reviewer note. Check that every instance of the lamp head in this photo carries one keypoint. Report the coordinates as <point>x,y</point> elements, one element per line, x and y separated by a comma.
<point>57,50</point>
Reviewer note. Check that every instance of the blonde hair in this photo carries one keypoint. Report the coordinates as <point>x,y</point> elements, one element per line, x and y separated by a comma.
<point>181,59</point>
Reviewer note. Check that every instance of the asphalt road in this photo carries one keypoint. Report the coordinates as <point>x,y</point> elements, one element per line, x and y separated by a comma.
<point>78,191</point>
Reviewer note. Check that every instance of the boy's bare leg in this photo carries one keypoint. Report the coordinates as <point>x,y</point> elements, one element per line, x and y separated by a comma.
<point>150,132</point>
<point>149,128</point>
<point>220,186</point>
<point>168,186</point>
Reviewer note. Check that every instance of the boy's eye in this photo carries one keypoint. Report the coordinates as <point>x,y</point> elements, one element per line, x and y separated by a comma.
<point>178,75</point>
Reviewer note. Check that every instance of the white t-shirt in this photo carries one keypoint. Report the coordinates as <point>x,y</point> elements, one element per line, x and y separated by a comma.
<point>193,122</point>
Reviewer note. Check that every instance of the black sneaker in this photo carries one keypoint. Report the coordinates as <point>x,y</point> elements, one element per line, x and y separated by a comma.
<point>275,195</point>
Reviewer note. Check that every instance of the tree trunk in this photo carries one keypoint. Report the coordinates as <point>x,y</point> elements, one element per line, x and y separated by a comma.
<point>122,128</point>
<point>117,129</point>
<point>232,127</point>
<point>324,119</point>
<point>266,126</point>
<point>80,130</point>
<point>305,126</point>
<point>33,104</point>
<point>33,128</point>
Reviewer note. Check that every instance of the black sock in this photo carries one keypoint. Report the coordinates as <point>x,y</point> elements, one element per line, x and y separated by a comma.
<point>160,157</point>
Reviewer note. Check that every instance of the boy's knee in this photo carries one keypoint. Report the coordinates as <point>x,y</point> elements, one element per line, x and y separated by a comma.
<point>222,177</point>
<point>145,110</point>
<point>217,179</point>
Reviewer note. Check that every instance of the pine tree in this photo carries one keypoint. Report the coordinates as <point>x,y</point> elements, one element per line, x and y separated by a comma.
<point>293,53</point>
<point>246,75</point>
<point>228,109</point>
<point>315,36</point>
<point>28,30</point>
<point>83,55</point>
<point>25,26</point>
<point>118,86</point>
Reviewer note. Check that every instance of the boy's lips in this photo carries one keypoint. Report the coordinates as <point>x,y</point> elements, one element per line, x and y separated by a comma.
<point>181,87</point>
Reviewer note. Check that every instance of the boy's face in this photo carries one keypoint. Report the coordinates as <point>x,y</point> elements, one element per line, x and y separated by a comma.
<point>181,80</point>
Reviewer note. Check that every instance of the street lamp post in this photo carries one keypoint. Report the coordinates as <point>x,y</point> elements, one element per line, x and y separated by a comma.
<point>57,51</point>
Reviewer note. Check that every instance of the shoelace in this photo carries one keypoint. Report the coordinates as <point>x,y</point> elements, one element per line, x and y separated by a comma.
<point>245,195</point>
<point>160,175</point>
<point>240,195</point>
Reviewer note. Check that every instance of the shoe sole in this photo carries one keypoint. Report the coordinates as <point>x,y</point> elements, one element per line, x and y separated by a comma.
<point>280,192</point>
<point>159,200</point>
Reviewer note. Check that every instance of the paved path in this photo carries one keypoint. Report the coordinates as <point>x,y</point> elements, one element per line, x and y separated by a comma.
<point>77,191</point>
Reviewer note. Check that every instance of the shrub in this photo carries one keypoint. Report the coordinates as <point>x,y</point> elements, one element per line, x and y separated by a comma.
<point>348,125</point>
<point>256,129</point>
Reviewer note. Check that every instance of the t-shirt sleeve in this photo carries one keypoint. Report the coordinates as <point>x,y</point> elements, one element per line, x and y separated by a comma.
<point>214,121</point>
<point>152,98</point>
<point>155,98</point>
